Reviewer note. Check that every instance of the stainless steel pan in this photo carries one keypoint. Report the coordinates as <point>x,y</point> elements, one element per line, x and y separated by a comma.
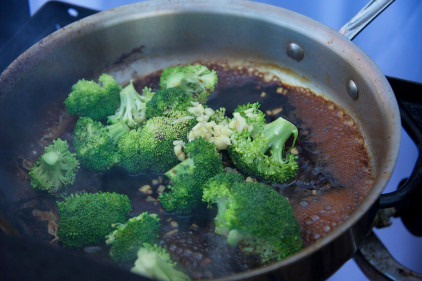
<point>140,38</point>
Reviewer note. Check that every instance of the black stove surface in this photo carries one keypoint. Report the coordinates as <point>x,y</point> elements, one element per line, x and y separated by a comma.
<point>48,19</point>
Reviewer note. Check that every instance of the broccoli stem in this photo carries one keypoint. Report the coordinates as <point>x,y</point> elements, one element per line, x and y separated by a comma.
<point>116,130</point>
<point>130,98</point>
<point>220,222</point>
<point>234,237</point>
<point>175,80</point>
<point>154,262</point>
<point>276,135</point>
<point>156,268</point>
<point>51,158</point>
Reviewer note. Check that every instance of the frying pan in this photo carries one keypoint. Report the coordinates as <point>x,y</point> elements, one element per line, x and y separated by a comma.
<point>141,38</point>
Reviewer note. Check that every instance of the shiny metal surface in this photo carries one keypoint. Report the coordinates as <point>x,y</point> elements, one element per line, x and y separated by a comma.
<point>295,51</point>
<point>161,33</point>
<point>368,13</point>
<point>352,89</point>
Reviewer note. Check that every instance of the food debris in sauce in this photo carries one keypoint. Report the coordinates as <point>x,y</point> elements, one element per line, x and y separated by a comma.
<point>334,165</point>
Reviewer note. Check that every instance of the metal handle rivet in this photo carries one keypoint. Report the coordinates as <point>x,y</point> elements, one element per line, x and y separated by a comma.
<point>352,89</point>
<point>295,52</point>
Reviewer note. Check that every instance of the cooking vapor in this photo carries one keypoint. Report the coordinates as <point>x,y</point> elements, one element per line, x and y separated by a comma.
<point>303,203</point>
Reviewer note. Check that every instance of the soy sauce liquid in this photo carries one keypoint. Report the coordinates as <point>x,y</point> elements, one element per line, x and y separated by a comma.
<point>334,170</point>
<point>334,176</point>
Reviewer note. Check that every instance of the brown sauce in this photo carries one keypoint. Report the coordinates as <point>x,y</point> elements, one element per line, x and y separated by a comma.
<point>335,174</point>
<point>334,170</point>
<point>334,177</point>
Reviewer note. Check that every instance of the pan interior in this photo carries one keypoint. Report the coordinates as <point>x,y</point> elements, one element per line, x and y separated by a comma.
<point>243,41</point>
<point>335,172</point>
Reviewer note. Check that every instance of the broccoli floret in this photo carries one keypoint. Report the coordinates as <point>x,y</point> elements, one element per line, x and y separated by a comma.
<point>259,149</point>
<point>127,238</point>
<point>202,163</point>
<point>132,158</point>
<point>154,262</point>
<point>132,106</point>
<point>157,138</point>
<point>189,176</point>
<point>183,197</point>
<point>248,117</point>
<point>93,145</point>
<point>93,100</point>
<point>166,101</point>
<point>151,147</point>
<point>218,190</point>
<point>255,217</point>
<point>197,80</point>
<point>55,169</point>
<point>88,217</point>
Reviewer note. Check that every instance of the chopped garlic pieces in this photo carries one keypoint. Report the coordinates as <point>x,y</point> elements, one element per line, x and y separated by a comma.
<point>239,123</point>
<point>179,146</point>
<point>215,131</point>
<point>209,111</point>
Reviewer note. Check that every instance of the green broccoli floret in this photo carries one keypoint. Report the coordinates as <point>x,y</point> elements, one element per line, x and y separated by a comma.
<point>93,100</point>
<point>197,80</point>
<point>183,197</point>
<point>202,163</point>
<point>55,169</point>
<point>127,238</point>
<point>166,101</point>
<point>88,217</point>
<point>93,145</point>
<point>218,190</point>
<point>189,176</point>
<point>154,262</point>
<point>255,217</point>
<point>132,158</point>
<point>254,118</point>
<point>132,106</point>
<point>259,149</point>
<point>158,136</point>
<point>151,148</point>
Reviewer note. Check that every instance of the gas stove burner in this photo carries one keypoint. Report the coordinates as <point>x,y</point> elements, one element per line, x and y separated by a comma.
<point>377,263</point>
<point>407,205</point>
<point>372,257</point>
<point>49,18</point>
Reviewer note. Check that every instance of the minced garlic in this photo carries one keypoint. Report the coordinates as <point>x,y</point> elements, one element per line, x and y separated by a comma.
<point>210,126</point>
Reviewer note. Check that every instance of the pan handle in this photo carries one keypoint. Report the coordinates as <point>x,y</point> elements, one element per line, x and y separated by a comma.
<point>368,13</point>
